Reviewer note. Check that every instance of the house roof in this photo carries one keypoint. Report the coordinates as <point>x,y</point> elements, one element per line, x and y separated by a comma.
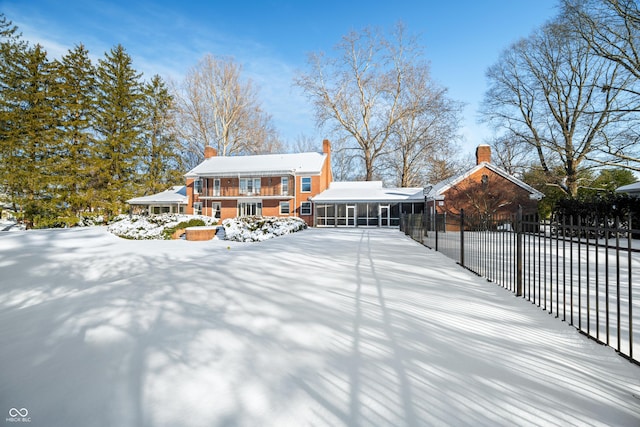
<point>367,192</point>
<point>174,195</point>
<point>632,189</point>
<point>262,165</point>
<point>440,188</point>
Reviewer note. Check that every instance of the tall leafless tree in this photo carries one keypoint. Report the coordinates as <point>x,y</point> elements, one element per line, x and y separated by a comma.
<point>419,137</point>
<point>363,95</point>
<point>550,92</point>
<point>218,108</point>
<point>612,30</point>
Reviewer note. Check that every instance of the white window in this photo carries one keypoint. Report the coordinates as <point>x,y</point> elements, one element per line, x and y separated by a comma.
<point>197,208</point>
<point>197,186</point>
<point>305,208</point>
<point>216,187</point>
<point>284,182</point>
<point>249,209</point>
<point>215,209</point>
<point>250,186</point>
<point>284,208</point>
<point>305,184</point>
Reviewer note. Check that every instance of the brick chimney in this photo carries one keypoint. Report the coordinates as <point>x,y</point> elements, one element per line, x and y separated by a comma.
<point>483,154</point>
<point>209,152</point>
<point>326,149</point>
<point>326,146</point>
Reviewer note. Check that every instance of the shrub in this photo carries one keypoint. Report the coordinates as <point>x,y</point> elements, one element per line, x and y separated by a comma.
<point>168,231</point>
<point>599,211</point>
<point>153,227</point>
<point>256,229</point>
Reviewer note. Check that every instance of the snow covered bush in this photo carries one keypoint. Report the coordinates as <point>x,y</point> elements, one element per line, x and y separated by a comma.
<point>257,229</point>
<point>90,220</point>
<point>139,227</point>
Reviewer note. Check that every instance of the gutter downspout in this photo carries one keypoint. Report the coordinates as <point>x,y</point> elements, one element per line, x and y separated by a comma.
<point>295,193</point>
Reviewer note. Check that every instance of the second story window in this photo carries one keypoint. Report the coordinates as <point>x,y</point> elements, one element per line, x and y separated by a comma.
<point>197,186</point>
<point>250,186</point>
<point>305,184</point>
<point>284,182</point>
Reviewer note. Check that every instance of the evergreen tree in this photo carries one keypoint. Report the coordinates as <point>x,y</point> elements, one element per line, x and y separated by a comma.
<point>11,50</point>
<point>119,125</point>
<point>30,136</point>
<point>78,105</point>
<point>161,160</point>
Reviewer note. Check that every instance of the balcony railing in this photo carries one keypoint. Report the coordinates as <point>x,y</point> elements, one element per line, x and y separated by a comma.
<point>237,192</point>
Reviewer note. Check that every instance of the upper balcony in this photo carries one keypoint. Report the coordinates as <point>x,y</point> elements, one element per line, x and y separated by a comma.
<point>235,192</point>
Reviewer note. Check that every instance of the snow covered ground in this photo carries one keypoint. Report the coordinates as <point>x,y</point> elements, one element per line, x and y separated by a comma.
<point>322,327</point>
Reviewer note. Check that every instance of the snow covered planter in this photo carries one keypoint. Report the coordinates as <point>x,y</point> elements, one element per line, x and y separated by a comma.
<point>257,229</point>
<point>139,227</point>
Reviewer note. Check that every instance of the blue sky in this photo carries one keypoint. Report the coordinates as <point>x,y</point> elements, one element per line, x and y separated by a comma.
<point>272,38</point>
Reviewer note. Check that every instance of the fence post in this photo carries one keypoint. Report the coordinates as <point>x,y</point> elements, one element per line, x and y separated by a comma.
<point>519,252</point>
<point>462,237</point>
<point>435,227</point>
<point>629,237</point>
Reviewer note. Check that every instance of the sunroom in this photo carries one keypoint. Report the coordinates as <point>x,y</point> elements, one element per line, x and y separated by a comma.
<point>365,204</point>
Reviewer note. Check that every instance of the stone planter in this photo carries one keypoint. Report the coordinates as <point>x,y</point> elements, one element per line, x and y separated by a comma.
<point>200,233</point>
<point>178,234</point>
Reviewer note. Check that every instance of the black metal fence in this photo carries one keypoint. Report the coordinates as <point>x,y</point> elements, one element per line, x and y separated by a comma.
<point>584,272</point>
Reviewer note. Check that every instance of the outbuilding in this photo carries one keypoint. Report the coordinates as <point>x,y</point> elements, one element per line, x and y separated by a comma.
<point>630,189</point>
<point>172,200</point>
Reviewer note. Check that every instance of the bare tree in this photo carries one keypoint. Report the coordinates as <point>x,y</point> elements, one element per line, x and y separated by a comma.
<point>444,164</point>
<point>611,27</point>
<point>364,93</point>
<point>546,91</point>
<point>430,128</point>
<point>511,156</point>
<point>612,30</point>
<point>305,144</point>
<point>217,108</point>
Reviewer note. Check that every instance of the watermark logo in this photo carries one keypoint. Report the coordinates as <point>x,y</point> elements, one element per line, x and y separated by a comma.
<point>18,416</point>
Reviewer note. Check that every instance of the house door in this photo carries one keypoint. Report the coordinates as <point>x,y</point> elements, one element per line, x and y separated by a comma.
<point>351,216</point>
<point>383,216</point>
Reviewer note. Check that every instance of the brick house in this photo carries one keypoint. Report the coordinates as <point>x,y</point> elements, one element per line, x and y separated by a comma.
<point>263,185</point>
<point>484,190</point>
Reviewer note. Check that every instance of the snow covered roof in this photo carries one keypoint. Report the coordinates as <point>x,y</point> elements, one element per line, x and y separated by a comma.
<point>175,195</point>
<point>438,189</point>
<point>262,165</point>
<point>631,189</point>
<point>367,191</point>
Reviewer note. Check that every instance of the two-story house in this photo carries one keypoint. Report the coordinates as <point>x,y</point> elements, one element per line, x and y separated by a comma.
<point>258,185</point>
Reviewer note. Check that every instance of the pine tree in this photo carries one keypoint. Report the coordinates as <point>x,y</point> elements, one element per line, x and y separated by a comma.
<point>162,161</point>
<point>78,105</point>
<point>11,50</point>
<point>30,135</point>
<point>119,124</point>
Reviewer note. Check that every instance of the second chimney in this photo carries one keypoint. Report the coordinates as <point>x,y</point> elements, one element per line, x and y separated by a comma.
<point>483,154</point>
<point>209,152</point>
